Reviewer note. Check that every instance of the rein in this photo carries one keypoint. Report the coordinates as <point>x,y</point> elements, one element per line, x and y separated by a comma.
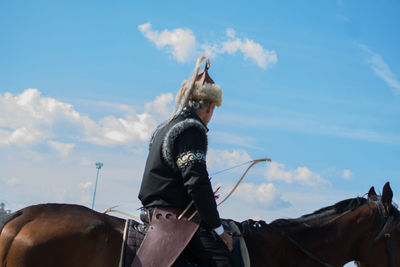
<point>294,242</point>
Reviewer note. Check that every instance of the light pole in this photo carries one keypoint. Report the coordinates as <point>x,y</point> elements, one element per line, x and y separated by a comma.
<point>98,167</point>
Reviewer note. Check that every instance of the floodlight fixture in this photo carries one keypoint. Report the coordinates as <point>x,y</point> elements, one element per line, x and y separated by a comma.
<point>99,165</point>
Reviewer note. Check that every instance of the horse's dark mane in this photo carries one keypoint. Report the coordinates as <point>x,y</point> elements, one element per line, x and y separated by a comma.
<point>341,206</point>
<point>336,209</point>
<point>316,218</point>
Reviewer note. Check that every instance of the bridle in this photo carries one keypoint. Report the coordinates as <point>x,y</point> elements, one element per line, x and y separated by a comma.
<point>387,236</point>
<point>389,248</point>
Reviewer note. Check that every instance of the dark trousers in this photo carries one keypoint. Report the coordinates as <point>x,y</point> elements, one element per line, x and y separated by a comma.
<point>207,249</point>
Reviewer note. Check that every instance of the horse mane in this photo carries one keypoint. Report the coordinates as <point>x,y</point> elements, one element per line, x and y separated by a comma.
<point>317,216</point>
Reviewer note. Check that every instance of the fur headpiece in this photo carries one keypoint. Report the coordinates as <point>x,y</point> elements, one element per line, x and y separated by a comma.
<point>199,87</point>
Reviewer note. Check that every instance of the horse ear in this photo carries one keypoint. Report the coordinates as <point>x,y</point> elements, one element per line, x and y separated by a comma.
<point>372,193</point>
<point>387,196</point>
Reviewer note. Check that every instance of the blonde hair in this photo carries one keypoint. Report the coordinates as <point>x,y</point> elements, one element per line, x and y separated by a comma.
<point>187,87</point>
<point>192,90</point>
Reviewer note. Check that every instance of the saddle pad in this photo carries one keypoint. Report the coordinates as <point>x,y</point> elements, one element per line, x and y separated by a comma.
<point>131,242</point>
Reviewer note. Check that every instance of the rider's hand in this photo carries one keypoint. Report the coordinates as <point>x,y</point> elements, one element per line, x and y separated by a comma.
<point>227,240</point>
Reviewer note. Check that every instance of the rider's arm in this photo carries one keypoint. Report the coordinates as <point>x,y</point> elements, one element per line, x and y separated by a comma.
<point>190,156</point>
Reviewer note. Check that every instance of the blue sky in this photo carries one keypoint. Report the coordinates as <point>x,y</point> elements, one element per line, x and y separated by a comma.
<point>315,86</point>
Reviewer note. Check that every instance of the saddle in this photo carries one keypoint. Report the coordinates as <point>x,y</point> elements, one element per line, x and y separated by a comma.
<point>135,233</point>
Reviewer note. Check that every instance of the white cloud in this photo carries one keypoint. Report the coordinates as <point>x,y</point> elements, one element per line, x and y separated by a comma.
<point>381,69</point>
<point>183,45</point>
<point>230,33</point>
<point>250,49</point>
<point>85,185</point>
<point>111,131</point>
<point>23,117</point>
<point>64,149</point>
<point>211,50</point>
<point>221,159</point>
<point>86,162</point>
<point>276,172</point>
<point>334,173</point>
<point>347,174</point>
<point>161,105</point>
<point>107,105</point>
<point>182,42</point>
<point>13,181</point>
<point>266,195</point>
<point>20,136</point>
<point>29,118</point>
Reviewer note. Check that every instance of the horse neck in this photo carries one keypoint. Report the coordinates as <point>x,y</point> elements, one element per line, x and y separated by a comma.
<point>336,238</point>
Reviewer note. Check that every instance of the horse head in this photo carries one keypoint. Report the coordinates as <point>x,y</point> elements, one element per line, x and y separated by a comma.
<point>386,247</point>
<point>345,231</point>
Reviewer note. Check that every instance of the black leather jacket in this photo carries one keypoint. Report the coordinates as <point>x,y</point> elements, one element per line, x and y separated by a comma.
<point>176,171</point>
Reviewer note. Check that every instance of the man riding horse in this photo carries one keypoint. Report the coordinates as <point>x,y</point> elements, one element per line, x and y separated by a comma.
<point>176,174</point>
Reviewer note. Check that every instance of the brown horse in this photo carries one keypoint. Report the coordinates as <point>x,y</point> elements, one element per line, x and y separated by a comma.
<point>61,235</point>
<point>51,235</point>
<point>386,250</point>
<point>336,235</point>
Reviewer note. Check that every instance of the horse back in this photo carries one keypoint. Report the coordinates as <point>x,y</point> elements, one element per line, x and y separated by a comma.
<point>61,235</point>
